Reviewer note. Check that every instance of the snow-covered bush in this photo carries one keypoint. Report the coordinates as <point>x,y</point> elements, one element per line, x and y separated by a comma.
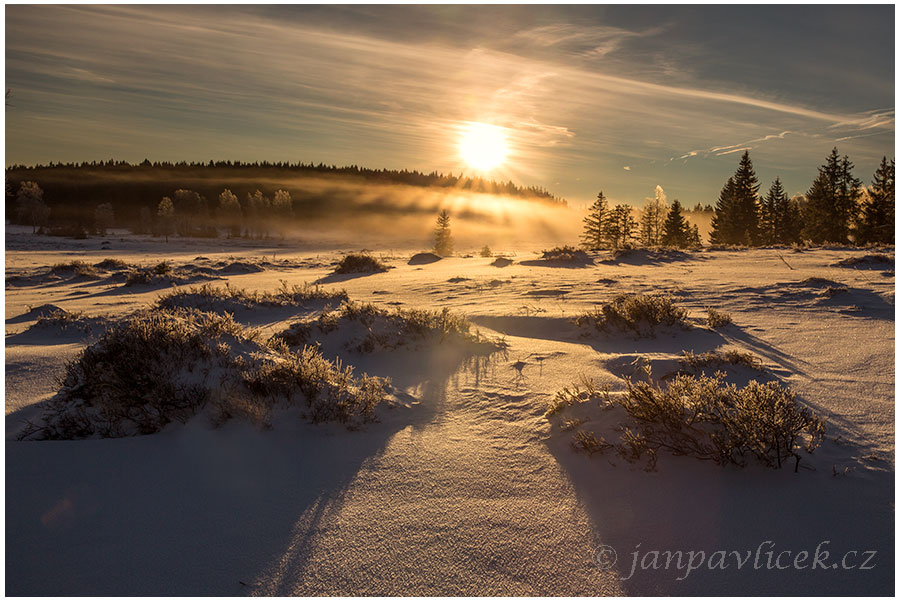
<point>78,268</point>
<point>359,264</point>
<point>214,298</point>
<point>705,418</point>
<point>713,359</point>
<point>716,318</point>
<point>565,254</point>
<point>158,367</point>
<point>639,314</point>
<point>368,327</point>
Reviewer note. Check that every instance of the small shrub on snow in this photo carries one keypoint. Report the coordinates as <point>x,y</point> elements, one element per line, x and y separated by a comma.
<point>111,264</point>
<point>733,357</point>
<point>78,268</point>
<point>486,251</point>
<point>159,367</point>
<point>383,329</point>
<point>587,441</point>
<point>214,298</point>
<point>566,254</point>
<point>639,314</point>
<point>705,418</point>
<point>359,263</point>
<point>65,320</point>
<point>716,318</point>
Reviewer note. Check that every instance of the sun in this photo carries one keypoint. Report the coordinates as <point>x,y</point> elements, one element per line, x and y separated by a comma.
<point>483,146</point>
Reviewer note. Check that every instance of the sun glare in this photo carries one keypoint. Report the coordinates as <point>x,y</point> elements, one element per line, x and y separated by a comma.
<point>483,146</point>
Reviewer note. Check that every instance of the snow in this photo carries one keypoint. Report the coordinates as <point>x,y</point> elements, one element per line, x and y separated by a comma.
<point>467,488</point>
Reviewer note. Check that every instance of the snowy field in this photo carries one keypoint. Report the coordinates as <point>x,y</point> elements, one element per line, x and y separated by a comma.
<point>464,486</point>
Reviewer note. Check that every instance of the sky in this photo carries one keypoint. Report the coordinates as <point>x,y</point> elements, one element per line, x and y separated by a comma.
<point>614,98</point>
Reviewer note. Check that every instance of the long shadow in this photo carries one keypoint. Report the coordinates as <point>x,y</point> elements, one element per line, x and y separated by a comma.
<point>197,511</point>
<point>689,506</point>
<point>551,263</point>
<point>646,257</point>
<point>332,278</point>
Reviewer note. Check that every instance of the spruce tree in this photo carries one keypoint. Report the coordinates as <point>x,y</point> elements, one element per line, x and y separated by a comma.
<point>443,241</point>
<point>619,228</point>
<point>722,221</point>
<point>595,223</point>
<point>694,239</point>
<point>737,212</point>
<point>832,201</point>
<point>676,232</point>
<point>772,213</point>
<point>877,221</point>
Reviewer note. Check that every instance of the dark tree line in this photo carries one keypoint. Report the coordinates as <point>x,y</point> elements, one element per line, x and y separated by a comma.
<point>836,209</point>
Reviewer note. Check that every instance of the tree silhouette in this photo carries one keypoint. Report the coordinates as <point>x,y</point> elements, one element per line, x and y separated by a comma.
<point>876,224</point>
<point>165,213</point>
<point>30,206</point>
<point>676,232</point>
<point>443,241</point>
<point>620,225</point>
<point>595,223</point>
<point>736,219</point>
<point>832,202</point>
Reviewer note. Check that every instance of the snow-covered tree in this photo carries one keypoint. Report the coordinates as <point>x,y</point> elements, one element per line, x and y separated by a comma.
<point>230,212</point>
<point>653,219</point>
<point>30,206</point>
<point>165,214</point>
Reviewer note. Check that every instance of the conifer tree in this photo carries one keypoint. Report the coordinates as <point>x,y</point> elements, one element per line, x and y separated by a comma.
<point>737,212</point>
<point>772,213</point>
<point>595,223</point>
<point>876,223</point>
<point>832,202</point>
<point>694,239</point>
<point>443,241</point>
<point>677,231</point>
<point>620,226</point>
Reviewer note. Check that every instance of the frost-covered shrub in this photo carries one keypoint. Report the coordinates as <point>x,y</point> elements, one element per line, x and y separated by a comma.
<point>639,314</point>
<point>359,263</point>
<point>111,264</point>
<point>566,254</point>
<point>159,367</point>
<point>78,268</point>
<point>372,327</point>
<point>214,298</point>
<point>714,359</point>
<point>706,418</point>
<point>65,320</point>
<point>716,318</point>
<point>486,251</point>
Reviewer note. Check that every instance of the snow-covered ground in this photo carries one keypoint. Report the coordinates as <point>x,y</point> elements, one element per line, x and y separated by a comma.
<point>469,489</point>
